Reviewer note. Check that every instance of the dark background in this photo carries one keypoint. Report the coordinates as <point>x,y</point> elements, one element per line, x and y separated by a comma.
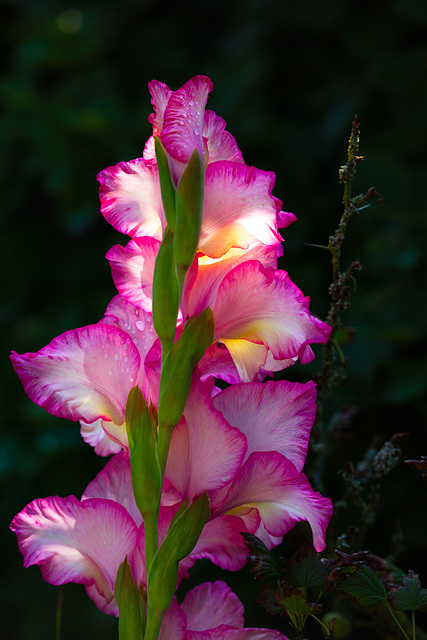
<point>288,78</point>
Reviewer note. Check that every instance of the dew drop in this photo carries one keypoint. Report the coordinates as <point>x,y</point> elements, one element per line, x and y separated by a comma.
<point>196,132</point>
<point>191,103</point>
<point>116,357</point>
<point>140,325</point>
<point>181,122</point>
<point>94,360</point>
<point>105,356</point>
<point>110,373</point>
<point>137,312</point>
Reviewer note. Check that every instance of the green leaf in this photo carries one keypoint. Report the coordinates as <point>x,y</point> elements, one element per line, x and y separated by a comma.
<point>309,572</point>
<point>141,427</point>
<point>178,366</point>
<point>410,597</point>
<point>298,609</point>
<point>131,603</point>
<point>261,560</point>
<point>180,540</point>
<point>189,213</point>
<point>166,294</point>
<point>365,586</point>
<point>167,187</point>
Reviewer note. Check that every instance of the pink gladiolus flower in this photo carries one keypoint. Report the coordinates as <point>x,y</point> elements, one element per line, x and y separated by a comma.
<point>267,490</point>
<point>86,541</point>
<point>261,317</point>
<point>86,374</point>
<point>210,611</point>
<point>238,206</point>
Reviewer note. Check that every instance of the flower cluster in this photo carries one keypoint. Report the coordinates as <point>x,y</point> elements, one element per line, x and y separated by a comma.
<point>242,446</point>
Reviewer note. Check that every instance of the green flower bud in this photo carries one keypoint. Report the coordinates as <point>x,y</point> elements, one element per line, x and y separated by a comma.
<point>131,603</point>
<point>141,427</point>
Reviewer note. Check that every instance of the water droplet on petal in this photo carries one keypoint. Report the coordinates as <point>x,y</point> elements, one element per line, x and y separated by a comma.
<point>140,325</point>
<point>191,102</point>
<point>105,356</point>
<point>116,357</point>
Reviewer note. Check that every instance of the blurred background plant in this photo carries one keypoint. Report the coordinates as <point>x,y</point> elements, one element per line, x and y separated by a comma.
<point>289,78</point>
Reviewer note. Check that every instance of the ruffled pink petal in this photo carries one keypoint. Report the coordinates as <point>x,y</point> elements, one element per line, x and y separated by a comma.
<point>221,541</point>
<point>77,542</point>
<point>217,362</point>
<point>174,624</point>
<point>183,117</point>
<point>220,144</point>
<point>270,483</point>
<point>96,435</point>
<point>160,94</point>
<point>206,274</point>
<point>132,268</point>
<point>131,200</point>
<point>238,208</point>
<point>138,324</point>
<point>285,218</point>
<point>114,482</point>
<point>84,374</point>
<point>263,306</point>
<point>202,615</point>
<point>248,357</point>
<point>193,467</point>
<point>269,540</point>
<point>274,416</point>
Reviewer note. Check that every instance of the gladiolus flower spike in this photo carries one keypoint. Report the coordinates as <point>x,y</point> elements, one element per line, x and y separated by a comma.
<point>200,298</point>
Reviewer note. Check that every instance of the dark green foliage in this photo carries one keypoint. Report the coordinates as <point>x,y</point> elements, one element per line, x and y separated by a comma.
<point>410,596</point>
<point>261,560</point>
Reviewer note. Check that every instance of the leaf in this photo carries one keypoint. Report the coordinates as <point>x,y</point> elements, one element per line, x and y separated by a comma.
<point>308,572</point>
<point>298,609</point>
<point>182,537</point>
<point>410,596</point>
<point>365,586</point>
<point>261,560</point>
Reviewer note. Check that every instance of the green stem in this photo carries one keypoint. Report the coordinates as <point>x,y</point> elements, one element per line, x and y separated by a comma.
<point>151,536</point>
<point>413,625</point>
<point>163,441</point>
<point>322,625</point>
<point>396,620</point>
<point>154,620</point>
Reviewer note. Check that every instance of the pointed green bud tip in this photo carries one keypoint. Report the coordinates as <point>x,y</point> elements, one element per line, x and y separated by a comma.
<point>167,187</point>
<point>131,604</point>
<point>189,211</point>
